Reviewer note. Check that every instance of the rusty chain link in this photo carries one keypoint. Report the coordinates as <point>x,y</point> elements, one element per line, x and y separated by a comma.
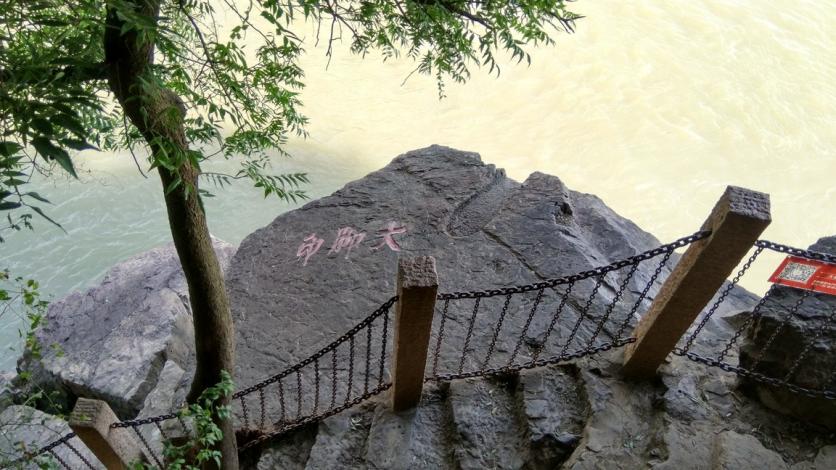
<point>599,271</point>
<point>531,364</point>
<point>750,370</point>
<point>780,327</point>
<point>244,411</point>
<point>283,428</point>
<point>827,321</point>
<point>150,450</point>
<point>612,305</point>
<point>643,295</point>
<point>316,386</point>
<point>350,368</point>
<point>582,314</point>
<point>440,336</point>
<point>527,325</point>
<point>828,258</point>
<point>553,322</point>
<point>755,314</point>
<point>828,394</point>
<point>721,298</point>
<point>44,450</point>
<point>496,331</point>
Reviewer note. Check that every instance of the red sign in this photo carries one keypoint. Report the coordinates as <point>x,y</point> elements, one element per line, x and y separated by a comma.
<point>808,274</point>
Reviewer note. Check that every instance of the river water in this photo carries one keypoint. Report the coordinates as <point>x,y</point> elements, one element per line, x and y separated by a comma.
<point>653,106</point>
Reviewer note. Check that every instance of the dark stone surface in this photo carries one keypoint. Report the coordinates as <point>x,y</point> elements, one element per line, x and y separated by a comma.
<point>811,331</point>
<point>485,231</point>
<point>733,451</point>
<point>555,411</point>
<point>418,438</point>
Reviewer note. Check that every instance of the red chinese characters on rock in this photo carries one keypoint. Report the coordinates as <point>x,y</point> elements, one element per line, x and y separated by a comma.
<point>802,273</point>
<point>310,245</point>
<point>388,234</point>
<point>348,239</point>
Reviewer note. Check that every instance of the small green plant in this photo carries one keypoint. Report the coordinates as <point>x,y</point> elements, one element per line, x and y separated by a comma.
<point>200,447</point>
<point>22,297</point>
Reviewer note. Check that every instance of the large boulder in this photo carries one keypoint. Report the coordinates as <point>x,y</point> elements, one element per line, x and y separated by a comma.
<point>113,341</point>
<point>809,331</point>
<point>485,231</point>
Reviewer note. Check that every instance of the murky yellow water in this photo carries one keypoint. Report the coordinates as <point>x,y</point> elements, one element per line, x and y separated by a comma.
<point>653,106</point>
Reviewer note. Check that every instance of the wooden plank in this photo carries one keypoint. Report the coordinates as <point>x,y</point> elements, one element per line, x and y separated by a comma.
<point>116,448</point>
<point>417,289</point>
<point>736,222</point>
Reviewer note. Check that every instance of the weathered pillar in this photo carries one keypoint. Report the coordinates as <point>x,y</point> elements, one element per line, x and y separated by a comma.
<point>116,448</point>
<point>736,222</point>
<point>417,288</point>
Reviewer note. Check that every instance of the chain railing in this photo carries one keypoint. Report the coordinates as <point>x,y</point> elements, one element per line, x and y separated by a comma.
<point>780,305</point>
<point>346,372</point>
<point>494,332</point>
<point>543,323</point>
<point>552,321</point>
<point>51,454</point>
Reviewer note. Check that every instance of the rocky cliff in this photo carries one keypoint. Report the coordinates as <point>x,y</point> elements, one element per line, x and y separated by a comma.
<point>314,272</point>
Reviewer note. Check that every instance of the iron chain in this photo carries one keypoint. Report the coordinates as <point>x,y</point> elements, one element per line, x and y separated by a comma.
<point>600,271</point>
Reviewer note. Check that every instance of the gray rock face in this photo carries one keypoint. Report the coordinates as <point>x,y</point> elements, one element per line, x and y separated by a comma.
<point>24,429</point>
<point>487,425</point>
<point>418,438</point>
<point>810,331</point>
<point>555,411</point>
<point>485,231</point>
<point>733,451</point>
<point>114,340</point>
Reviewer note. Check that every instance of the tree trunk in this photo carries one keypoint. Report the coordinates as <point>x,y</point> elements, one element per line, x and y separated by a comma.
<point>213,329</point>
<point>148,106</point>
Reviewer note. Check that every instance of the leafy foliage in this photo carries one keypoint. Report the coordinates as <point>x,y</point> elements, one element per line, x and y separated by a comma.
<point>22,297</point>
<point>198,450</point>
<point>239,82</point>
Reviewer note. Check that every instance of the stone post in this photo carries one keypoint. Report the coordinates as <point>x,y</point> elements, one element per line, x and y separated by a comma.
<point>417,288</point>
<point>736,222</point>
<point>116,448</point>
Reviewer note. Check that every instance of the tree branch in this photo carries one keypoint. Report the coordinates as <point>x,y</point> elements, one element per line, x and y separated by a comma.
<point>69,73</point>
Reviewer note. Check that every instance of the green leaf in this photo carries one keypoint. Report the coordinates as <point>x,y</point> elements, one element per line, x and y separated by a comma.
<point>69,122</point>
<point>77,144</point>
<point>37,196</point>
<point>7,206</point>
<point>41,213</point>
<point>50,152</point>
<point>42,125</point>
<point>7,149</point>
